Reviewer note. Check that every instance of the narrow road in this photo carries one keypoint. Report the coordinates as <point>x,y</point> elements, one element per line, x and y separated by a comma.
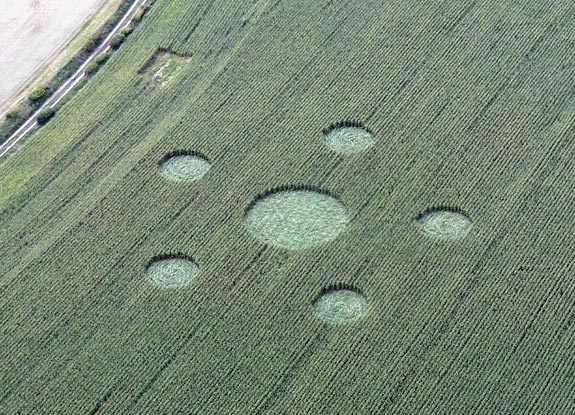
<point>69,84</point>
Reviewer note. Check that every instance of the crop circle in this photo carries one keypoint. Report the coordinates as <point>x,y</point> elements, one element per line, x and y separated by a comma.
<point>340,305</point>
<point>172,271</point>
<point>296,218</point>
<point>444,223</point>
<point>183,166</point>
<point>348,138</point>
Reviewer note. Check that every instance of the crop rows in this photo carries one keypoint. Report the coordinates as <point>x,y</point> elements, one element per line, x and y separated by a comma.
<point>469,115</point>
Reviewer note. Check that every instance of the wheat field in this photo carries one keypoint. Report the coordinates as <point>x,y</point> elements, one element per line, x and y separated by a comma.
<point>442,247</point>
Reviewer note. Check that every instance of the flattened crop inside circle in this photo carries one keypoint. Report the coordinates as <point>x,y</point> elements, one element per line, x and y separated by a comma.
<point>174,272</point>
<point>348,139</point>
<point>183,167</point>
<point>340,306</point>
<point>445,224</point>
<point>296,219</point>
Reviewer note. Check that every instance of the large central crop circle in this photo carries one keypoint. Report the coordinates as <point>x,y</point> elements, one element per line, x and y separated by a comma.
<point>296,219</point>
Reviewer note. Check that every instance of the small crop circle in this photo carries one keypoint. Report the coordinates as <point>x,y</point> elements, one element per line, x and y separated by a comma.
<point>296,218</point>
<point>348,138</point>
<point>172,271</point>
<point>444,223</point>
<point>182,166</point>
<point>340,305</point>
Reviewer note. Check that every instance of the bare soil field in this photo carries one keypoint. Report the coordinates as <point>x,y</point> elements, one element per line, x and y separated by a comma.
<point>33,30</point>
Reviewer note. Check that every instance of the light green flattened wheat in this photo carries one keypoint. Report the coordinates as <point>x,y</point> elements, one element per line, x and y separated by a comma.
<point>297,219</point>
<point>172,272</point>
<point>445,224</point>
<point>340,306</point>
<point>184,168</point>
<point>349,140</point>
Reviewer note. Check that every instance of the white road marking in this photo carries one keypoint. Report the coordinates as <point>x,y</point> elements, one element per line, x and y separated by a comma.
<point>67,86</point>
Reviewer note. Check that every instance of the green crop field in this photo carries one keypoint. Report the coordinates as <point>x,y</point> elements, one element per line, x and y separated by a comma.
<point>300,207</point>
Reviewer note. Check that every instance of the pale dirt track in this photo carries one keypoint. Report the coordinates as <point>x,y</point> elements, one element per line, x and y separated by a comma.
<point>32,31</point>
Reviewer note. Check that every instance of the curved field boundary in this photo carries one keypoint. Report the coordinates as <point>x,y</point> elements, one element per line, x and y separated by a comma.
<point>67,86</point>
<point>56,61</point>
